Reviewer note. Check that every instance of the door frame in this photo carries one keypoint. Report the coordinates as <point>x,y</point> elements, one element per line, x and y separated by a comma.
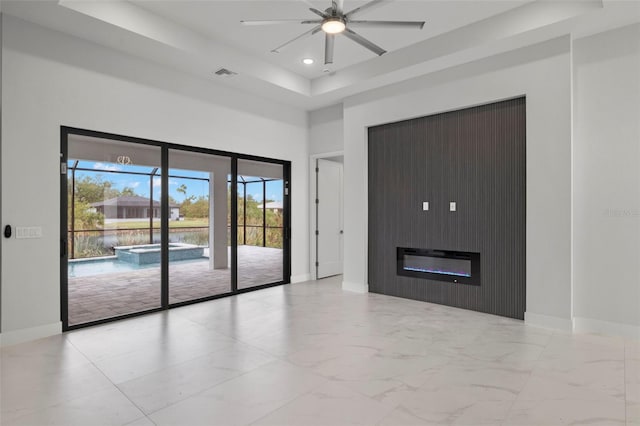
<point>66,131</point>
<point>313,239</point>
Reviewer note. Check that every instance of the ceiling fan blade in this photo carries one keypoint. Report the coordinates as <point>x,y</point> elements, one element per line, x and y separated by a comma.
<point>366,6</point>
<point>364,42</point>
<point>282,21</point>
<point>311,32</point>
<point>318,12</point>
<point>329,41</point>
<point>338,6</point>
<point>388,24</point>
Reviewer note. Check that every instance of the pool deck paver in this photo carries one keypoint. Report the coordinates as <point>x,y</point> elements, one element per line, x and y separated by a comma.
<point>108,295</point>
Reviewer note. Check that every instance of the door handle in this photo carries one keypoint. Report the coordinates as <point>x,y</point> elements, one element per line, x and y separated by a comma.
<point>63,247</point>
<point>341,232</point>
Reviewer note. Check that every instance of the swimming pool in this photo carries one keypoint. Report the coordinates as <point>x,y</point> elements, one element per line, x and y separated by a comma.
<point>150,253</point>
<point>111,265</point>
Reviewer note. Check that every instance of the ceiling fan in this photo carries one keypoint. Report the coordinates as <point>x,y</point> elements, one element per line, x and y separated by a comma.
<point>334,20</point>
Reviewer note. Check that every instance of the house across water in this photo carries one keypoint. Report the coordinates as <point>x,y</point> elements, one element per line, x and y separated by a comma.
<point>133,207</point>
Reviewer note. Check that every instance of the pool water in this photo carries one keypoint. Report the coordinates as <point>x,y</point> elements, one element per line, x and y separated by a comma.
<point>111,265</point>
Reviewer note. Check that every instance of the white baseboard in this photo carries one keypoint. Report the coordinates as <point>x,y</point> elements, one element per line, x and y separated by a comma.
<point>588,325</point>
<point>8,338</point>
<point>355,287</point>
<point>546,321</point>
<point>300,278</point>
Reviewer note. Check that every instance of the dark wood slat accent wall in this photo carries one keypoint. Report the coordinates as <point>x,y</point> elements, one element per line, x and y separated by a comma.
<point>475,157</point>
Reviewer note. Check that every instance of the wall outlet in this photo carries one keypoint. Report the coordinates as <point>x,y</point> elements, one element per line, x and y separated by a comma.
<point>452,206</point>
<point>28,232</point>
<point>425,205</point>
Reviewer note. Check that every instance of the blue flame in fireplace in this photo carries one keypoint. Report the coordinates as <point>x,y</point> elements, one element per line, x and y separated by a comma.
<point>437,271</point>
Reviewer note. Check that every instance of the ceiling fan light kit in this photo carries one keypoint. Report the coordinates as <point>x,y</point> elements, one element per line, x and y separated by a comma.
<point>335,22</point>
<point>333,25</point>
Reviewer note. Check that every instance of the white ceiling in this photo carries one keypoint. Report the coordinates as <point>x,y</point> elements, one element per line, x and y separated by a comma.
<point>220,20</point>
<point>200,36</point>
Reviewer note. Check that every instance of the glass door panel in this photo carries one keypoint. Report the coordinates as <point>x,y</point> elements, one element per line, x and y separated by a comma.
<point>113,228</point>
<point>134,245</point>
<point>199,254</point>
<point>260,223</point>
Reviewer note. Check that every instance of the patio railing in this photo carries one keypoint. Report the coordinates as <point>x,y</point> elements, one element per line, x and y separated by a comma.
<point>99,242</point>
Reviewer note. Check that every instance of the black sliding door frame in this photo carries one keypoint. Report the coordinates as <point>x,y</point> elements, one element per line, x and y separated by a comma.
<point>65,132</point>
<point>234,224</point>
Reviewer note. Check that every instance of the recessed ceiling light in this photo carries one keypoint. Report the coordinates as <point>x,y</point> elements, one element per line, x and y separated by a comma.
<point>307,61</point>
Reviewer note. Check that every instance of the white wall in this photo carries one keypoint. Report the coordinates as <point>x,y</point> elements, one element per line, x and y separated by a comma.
<point>607,181</point>
<point>49,80</point>
<point>605,69</point>
<point>1,221</point>
<point>542,73</point>
<point>326,130</point>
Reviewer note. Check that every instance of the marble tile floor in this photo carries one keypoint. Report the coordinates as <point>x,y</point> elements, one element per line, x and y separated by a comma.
<point>102,296</point>
<point>311,354</point>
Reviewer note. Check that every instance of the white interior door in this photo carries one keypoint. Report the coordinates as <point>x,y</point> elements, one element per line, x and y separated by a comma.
<point>329,218</point>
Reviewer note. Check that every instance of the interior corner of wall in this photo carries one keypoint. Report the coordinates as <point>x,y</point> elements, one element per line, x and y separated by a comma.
<point>14,337</point>
<point>300,278</point>
<point>547,321</point>
<point>355,287</point>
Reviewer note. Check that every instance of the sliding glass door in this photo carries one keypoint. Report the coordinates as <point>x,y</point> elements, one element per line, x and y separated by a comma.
<point>199,203</point>
<point>113,228</point>
<point>147,225</point>
<point>260,223</point>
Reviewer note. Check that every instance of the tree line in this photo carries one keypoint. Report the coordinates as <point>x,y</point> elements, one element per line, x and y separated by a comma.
<point>92,189</point>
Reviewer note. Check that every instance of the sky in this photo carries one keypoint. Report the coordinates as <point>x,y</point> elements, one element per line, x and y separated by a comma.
<point>141,185</point>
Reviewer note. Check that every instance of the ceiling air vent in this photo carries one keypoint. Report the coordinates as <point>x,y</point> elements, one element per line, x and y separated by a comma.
<point>225,72</point>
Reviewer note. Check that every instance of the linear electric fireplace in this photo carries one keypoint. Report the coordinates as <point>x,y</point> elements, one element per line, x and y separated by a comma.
<point>440,265</point>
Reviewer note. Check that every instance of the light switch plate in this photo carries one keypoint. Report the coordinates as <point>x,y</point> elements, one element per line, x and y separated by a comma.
<point>28,232</point>
<point>452,206</point>
<point>425,205</point>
